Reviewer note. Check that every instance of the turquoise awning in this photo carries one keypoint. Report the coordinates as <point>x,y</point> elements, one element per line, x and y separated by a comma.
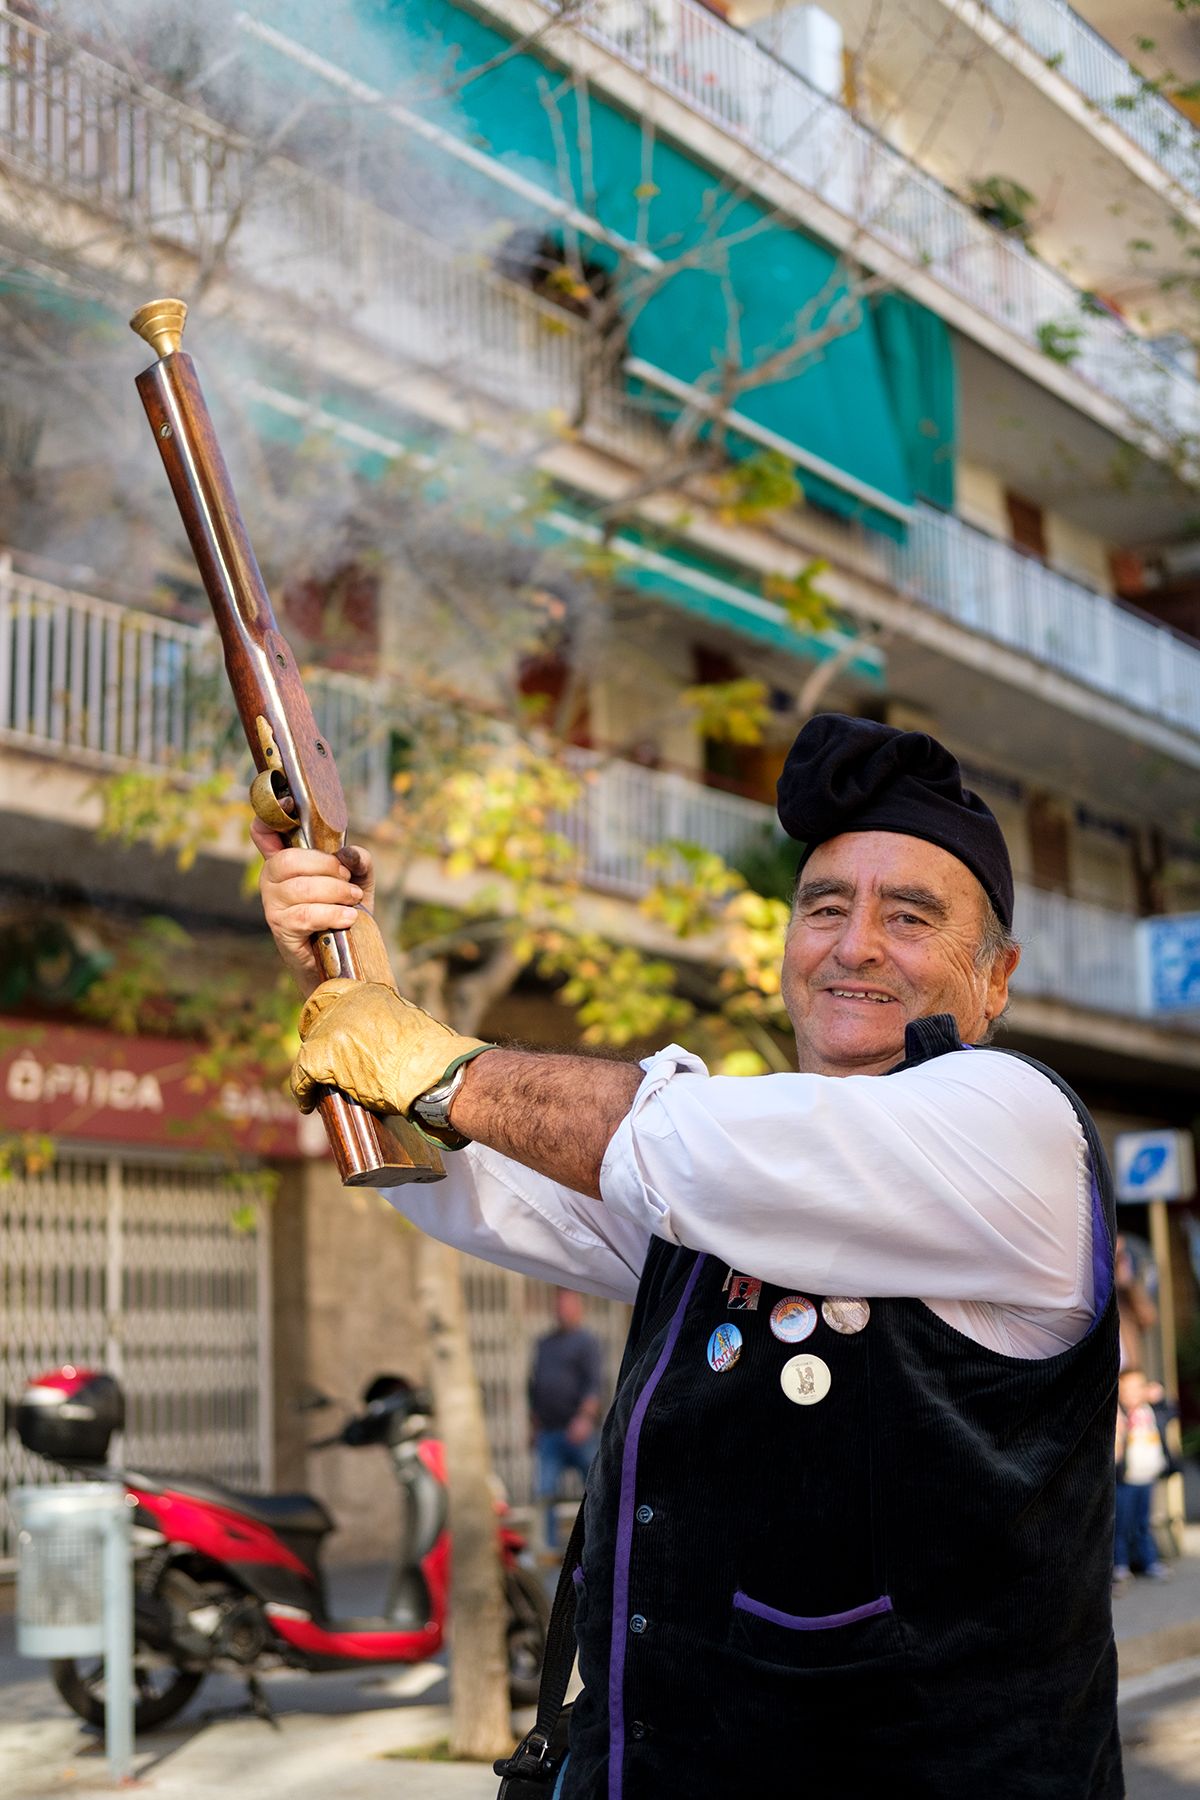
<point>670,573</point>
<point>867,415</point>
<point>374,438</point>
<point>919,369</point>
<point>674,573</point>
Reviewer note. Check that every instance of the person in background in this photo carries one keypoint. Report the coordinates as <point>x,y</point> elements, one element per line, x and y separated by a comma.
<point>1141,1459</point>
<point>1135,1307</point>
<point>564,1402</point>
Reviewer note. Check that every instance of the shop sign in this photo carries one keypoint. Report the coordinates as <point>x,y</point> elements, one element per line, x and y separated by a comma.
<point>74,1082</point>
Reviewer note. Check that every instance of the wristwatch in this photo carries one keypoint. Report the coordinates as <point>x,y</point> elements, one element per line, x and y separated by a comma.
<point>433,1106</point>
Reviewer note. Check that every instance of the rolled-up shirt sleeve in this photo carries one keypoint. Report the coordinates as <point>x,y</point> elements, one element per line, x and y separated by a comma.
<point>499,1210</point>
<point>965,1178</point>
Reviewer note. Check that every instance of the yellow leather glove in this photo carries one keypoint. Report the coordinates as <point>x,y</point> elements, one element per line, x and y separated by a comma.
<point>377,1047</point>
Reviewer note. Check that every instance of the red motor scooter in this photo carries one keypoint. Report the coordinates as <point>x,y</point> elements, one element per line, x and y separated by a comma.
<point>232,1582</point>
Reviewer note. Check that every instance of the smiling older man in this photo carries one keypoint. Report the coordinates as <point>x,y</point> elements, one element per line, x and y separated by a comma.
<point>851,1520</point>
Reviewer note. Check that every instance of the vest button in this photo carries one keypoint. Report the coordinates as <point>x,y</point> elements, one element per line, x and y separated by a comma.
<point>644,1514</point>
<point>637,1730</point>
<point>638,1624</point>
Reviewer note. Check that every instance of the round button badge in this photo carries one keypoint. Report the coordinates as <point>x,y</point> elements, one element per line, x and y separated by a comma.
<point>724,1348</point>
<point>805,1379</point>
<point>846,1316</point>
<point>793,1318</point>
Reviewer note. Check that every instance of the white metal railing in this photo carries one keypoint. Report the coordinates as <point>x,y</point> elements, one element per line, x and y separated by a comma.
<point>72,120</point>
<point>1091,64</point>
<point>625,811</point>
<point>1075,951</point>
<point>116,688</point>
<point>987,586</point>
<point>726,75</point>
<point>90,681</point>
<point>98,680</point>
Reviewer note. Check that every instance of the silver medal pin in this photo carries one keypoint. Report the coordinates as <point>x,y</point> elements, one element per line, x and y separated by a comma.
<point>844,1315</point>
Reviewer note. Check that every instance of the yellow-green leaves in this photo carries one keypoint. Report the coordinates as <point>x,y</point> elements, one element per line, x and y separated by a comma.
<point>808,608</point>
<point>730,712</point>
<point>171,816</point>
<point>618,994</point>
<point>762,483</point>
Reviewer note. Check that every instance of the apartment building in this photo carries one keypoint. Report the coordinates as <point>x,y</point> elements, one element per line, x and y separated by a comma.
<point>899,264</point>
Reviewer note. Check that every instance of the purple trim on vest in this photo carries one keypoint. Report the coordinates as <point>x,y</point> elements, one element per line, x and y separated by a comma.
<point>577,1576</point>
<point>1102,1253</point>
<point>620,1624</point>
<point>824,1622</point>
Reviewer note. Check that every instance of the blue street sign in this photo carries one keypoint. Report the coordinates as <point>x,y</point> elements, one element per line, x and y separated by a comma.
<point>1154,1165</point>
<point>1169,962</point>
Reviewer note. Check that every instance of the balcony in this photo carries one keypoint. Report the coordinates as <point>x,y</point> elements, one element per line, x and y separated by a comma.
<point>724,75</point>
<point>102,686</point>
<point>988,587</point>
<point>75,123</point>
<point>1089,62</point>
<point>81,126</point>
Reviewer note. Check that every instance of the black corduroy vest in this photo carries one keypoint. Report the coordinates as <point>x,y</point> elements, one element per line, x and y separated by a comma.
<point>903,1589</point>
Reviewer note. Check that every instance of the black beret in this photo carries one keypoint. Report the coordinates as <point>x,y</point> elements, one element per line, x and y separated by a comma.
<point>845,774</point>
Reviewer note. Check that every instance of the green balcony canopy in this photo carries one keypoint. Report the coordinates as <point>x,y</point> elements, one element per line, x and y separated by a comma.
<point>862,395</point>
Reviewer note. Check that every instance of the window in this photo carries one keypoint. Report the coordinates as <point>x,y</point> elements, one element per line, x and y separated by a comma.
<point>1026,525</point>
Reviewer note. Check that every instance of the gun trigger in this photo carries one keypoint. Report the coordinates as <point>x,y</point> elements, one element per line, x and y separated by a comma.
<point>265,797</point>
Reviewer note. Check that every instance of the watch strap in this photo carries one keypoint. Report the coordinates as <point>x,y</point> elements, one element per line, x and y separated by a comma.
<point>434,1123</point>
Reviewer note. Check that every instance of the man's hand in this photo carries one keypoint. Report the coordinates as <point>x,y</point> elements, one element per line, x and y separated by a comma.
<point>378,1048</point>
<point>581,1428</point>
<point>305,892</point>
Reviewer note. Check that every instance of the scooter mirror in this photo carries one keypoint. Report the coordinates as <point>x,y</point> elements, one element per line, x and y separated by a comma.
<point>311,1399</point>
<point>384,1387</point>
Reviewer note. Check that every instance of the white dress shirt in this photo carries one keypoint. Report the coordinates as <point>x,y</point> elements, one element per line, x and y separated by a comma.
<point>963,1182</point>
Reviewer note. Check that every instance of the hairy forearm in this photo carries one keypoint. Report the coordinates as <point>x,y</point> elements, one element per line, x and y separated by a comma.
<point>555,1114</point>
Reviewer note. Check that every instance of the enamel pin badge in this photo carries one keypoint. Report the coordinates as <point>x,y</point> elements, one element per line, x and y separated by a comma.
<point>744,1291</point>
<point>793,1319</point>
<point>724,1348</point>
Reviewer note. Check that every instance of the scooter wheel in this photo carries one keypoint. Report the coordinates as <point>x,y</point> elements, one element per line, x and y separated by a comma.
<point>528,1621</point>
<point>160,1692</point>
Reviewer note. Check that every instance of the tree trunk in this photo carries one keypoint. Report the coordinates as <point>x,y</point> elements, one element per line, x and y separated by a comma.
<point>481,1716</point>
<point>480,1724</point>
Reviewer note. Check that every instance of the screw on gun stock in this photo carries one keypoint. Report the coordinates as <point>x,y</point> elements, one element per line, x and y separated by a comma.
<point>321,750</point>
<point>281,659</point>
<point>164,431</point>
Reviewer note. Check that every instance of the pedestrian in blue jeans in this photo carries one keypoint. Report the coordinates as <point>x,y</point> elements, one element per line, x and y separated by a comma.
<point>1141,1459</point>
<point>564,1402</point>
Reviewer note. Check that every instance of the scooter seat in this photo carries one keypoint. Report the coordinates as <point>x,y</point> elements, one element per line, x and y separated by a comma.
<point>282,1512</point>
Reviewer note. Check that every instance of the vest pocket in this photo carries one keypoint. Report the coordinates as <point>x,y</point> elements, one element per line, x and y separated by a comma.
<point>797,1622</point>
<point>867,1633</point>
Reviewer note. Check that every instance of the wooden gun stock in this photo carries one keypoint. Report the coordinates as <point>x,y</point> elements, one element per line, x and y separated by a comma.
<point>298,791</point>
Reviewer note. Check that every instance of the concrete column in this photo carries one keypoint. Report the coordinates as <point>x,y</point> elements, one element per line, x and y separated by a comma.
<point>344,1312</point>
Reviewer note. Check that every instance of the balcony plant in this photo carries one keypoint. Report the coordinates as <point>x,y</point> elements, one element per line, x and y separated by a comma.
<point>1005,204</point>
<point>1060,340</point>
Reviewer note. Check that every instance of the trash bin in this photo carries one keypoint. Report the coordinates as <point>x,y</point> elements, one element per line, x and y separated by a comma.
<point>62,1534</point>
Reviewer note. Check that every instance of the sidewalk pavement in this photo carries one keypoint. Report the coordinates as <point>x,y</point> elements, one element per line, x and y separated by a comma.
<point>312,1756</point>
<point>1159,1621</point>
<point>338,1736</point>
